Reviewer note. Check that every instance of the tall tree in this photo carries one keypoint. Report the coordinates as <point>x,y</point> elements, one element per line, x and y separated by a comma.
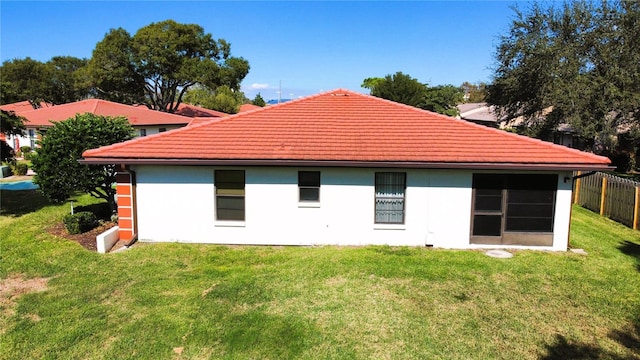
<point>161,62</point>
<point>576,63</point>
<point>399,88</point>
<point>57,81</point>
<point>404,89</point>
<point>222,99</point>
<point>58,172</point>
<point>25,79</point>
<point>67,80</point>
<point>112,72</point>
<point>443,99</point>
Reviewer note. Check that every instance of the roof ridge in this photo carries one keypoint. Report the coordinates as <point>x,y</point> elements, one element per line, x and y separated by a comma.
<point>95,106</point>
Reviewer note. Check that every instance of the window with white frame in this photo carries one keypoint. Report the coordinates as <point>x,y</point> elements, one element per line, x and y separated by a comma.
<point>32,138</point>
<point>229,194</point>
<point>309,186</point>
<point>390,196</point>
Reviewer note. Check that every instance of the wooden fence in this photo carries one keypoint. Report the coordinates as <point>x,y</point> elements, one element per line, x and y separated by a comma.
<point>611,196</point>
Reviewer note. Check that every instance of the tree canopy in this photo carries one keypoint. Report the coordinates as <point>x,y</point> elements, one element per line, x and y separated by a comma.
<point>222,98</point>
<point>58,172</point>
<point>259,101</point>
<point>474,93</point>
<point>575,63</point>
<point>58,81</point>
<point>404,89</point>
<point>161,62</point>
<point>398,87</point>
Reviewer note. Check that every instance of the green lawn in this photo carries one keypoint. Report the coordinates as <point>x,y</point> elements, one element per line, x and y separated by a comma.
<point>177,301</point>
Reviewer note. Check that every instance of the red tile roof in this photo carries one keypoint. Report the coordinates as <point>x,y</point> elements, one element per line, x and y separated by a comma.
<point>22,106</point>
<point>137,115</point>
<point>344,128</point>
<point>193,111</point>
<point>248,107</point>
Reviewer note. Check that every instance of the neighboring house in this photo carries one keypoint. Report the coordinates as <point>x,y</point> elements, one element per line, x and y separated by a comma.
<point>484,114</point>
<point>144,121</point>
<point>348,169</point>
<point>479,113</point>
<point>29,137</point>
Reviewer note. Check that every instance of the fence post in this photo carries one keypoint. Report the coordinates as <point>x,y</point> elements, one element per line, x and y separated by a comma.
<point>576,197</point>
<point>636,208</point>
<point>604,194</point>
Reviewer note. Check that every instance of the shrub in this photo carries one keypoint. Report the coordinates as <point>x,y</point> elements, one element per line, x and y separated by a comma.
<point>20,169</point>
<point>80,222</point>
<point>25,149</point>
<point>30,155</point>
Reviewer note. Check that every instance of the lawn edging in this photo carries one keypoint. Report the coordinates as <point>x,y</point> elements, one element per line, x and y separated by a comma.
<point>106,240</point>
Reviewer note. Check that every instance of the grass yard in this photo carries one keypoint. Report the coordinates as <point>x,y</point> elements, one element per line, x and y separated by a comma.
<point>177,301</point>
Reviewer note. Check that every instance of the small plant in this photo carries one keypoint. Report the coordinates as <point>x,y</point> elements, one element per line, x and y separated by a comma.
<point>20,169</point>
<point>80,222</point>
<point>25,149</point>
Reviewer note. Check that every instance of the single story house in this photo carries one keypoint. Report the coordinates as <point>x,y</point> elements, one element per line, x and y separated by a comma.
<point>345,168</point>
<point>143,120</point>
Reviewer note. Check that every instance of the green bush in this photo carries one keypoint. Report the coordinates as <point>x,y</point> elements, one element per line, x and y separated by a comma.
<point>80,222</point>
<point>30,155</point>
<point>20,169</point>
<point>25,149</point>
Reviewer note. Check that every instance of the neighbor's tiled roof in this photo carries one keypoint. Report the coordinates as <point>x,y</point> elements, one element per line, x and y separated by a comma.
<point>344,126</point>
<point>477,112</point>
<point>22,106</point>
<point>248,107</point>
<point>137,115</point>
<point>193,111</point>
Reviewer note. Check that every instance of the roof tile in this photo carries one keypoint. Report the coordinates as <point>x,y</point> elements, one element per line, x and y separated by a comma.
<point>341,125</point>
<point>137,115</point>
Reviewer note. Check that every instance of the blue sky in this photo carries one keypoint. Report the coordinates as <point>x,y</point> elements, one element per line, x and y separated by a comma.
<point>307,47</point>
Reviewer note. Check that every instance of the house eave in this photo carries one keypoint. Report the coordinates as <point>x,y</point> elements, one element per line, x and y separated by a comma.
<point>349,163</point>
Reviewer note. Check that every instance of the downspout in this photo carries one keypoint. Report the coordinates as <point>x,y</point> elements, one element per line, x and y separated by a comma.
<point>132,241</point>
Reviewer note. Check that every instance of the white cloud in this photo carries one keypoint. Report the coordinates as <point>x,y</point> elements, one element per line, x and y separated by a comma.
<point>257,86</point>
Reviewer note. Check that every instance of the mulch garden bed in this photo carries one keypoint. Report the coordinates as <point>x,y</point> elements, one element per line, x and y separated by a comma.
<point>86,239</point>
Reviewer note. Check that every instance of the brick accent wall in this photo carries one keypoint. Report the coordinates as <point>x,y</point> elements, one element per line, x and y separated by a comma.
<point>126,210</point>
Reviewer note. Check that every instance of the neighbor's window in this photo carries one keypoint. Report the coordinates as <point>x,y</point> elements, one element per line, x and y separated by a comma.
<point>390,190</point>
<point>229,194</point>
<point>32,138</point>
<point>162,129</point>
<point>309,186</point>
<point>143,132</point>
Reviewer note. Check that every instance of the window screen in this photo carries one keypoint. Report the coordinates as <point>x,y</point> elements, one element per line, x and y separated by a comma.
<point>309,186</point>
<point>390,193</point>
<point>229,194</point>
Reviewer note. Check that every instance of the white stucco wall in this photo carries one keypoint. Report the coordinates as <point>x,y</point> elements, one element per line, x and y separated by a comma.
<point>23,140</point>
<point>154,129</point>
<point>176,203</point>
